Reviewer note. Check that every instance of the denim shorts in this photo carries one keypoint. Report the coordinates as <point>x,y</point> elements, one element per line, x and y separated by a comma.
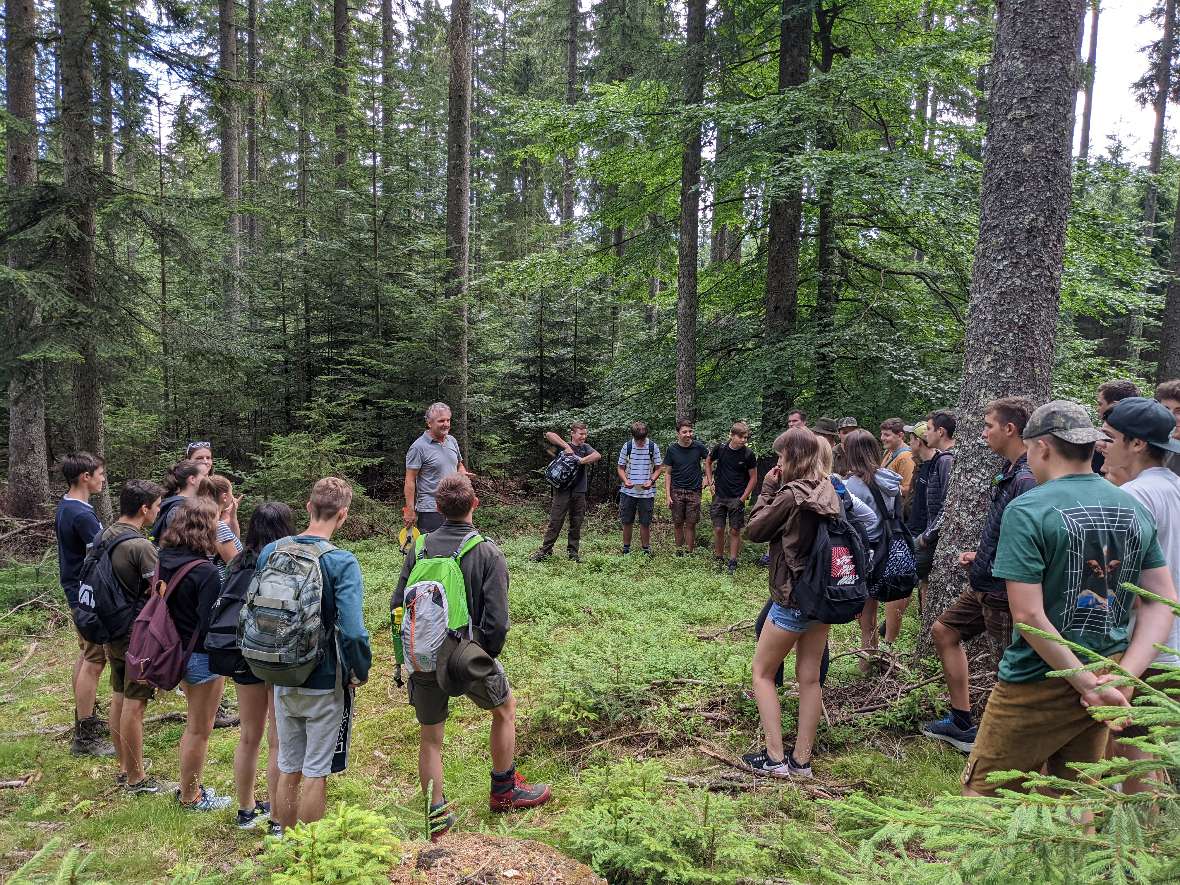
<point>196,671</point>
<point>790,619</point>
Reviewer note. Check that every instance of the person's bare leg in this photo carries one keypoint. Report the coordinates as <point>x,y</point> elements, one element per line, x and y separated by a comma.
<point>868,625</point>
<point>85,686</point>
<point>948,643</point>
<point>194,743</point>
<point>285,811</point>
<point>252,711</point>
<point>644,535</point>
<point>131,735</point>
<point>272,749</point>
<point>504,735</point>
<point>735,543</point>
<point>894,613</point>
<point>718,541</point>
<point>808,654</point>
<point>430,766</point>
<point>313,800</point>
<point>774,644</point>
<point>690,536</point>
<point>116,726</point>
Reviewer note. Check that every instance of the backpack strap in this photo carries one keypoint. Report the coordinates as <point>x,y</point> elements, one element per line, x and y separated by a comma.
<point>469,543</point>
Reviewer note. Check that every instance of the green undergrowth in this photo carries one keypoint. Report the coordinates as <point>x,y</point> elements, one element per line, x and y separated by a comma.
<point>616,693</point>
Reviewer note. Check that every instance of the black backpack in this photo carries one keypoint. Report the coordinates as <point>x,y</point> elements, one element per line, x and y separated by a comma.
<point>832,588</point>
<point>106,609</point>
<point>562,471</point>
<point>221,641</point>
<point>167,509</point>
<point>893,573</point>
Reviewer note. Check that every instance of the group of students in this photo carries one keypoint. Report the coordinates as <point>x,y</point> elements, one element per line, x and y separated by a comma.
<point>183,542</point>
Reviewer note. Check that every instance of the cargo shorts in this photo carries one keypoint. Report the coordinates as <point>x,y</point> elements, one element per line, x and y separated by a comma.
<point>432,705</point>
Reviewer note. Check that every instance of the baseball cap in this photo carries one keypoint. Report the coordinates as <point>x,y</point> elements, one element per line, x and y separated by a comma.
<point>1065,420</point>
<point>918,429</point>
<point>1144,419</point>
<point>846,423</point>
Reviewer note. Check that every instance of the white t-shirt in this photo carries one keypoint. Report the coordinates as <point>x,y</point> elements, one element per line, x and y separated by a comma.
<point>1158,489</point>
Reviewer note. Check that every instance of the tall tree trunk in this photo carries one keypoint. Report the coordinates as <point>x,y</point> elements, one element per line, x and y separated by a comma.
<point>1133,339</point>
<point>573,15</point>
<point>1016,280</point>
<point>252,171</point>
<point>28,472</point>
<point>687,297</point>
<point>229,123</point>
<point>1169,362</point>
<point>388,79</point>
<point>459,198</point>
<point>340,88</point>
<point>106,96</point>
<point>786,210</point>
<point>1088,82</point>
<point>80,183</point>
<point>303,201</point>
<point>165,318</point>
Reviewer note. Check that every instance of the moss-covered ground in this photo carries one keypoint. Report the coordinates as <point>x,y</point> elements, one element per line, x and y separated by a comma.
<point>619,698</point>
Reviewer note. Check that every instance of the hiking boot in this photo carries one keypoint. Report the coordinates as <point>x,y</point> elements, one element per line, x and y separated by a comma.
<point>149,786</point>
<point>274,828</point>
<point>944,729</point>
<point>248,820</point>
<point>574,557</point>
<point>763,764</point>
<point>88,739</point>
<point>226,716</point>
<point>206,800</point>
<point>511,792</point>
<point>539,556</point>
<point>732,567</point>
<point>442,819</point>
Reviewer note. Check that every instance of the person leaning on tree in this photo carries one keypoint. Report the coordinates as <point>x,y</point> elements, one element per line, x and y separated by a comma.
<point>1067,550</point>
<point>430,459</point>
<point>983,607</point>
<point>572,499</point>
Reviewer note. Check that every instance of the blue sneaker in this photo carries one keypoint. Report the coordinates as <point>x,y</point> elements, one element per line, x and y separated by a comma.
<point>206,800</point>
<point>944,729</point>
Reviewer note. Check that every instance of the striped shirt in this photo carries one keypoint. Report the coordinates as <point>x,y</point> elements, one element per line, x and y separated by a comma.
<point>224,534</point>
<point>642,463</point>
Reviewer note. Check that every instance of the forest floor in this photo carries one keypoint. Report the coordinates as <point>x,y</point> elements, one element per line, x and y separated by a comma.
<point>632,678</point>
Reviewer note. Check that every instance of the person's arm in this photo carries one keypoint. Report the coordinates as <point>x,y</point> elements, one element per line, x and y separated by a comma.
<point>493,619</point>
<point>668,487</point>
<point>770,510</point>
<point>905,468</point>
<point>409,515</point>
<point>399,594</point>
<point>228,545</point>
<point>709,469</point>
<point>936,491</point>
<point>353,638</point>
<point>863,515</point>
<point>753,479</point>
<point>594,455</point>
<point>1153,620</point>
<point>207,592</point>
<point>622,470</point>
<point>556,440</point>
<point>1027,604</point>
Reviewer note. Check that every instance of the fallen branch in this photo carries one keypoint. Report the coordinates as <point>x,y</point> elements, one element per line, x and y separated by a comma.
<point>59,730</point>
<point>885,705</point>
<point>40,599</point>
<point>40,523</point>
<point>19,782</point>
<point>725,631</point>
<point>811,787</point>
<point>28,654</point>
<point>573,751</point>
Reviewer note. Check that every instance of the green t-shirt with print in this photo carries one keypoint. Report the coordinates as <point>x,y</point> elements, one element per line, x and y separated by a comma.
<point>1081,539</point>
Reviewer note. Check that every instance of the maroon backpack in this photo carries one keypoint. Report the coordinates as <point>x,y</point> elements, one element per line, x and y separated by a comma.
<point>155,654</point>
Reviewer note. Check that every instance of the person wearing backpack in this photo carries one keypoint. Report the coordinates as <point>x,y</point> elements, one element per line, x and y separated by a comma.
<point>133,562</point>
<point>572,498</point>
<point>188,543</point>
<point>467,665</point>
<point>983,606</point>
<point>181,483</point>
<point>863,456</point>
<point>796,496</point>
<point>639,467</point>
<point>76,525</point>
<point>270,522</point>
<point>940,438</point>
<point>314,716</point>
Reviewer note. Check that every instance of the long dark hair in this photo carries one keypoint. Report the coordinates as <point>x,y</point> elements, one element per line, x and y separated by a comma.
<point>862,454</point>
<point>178,476</point>
<point>270,521</point>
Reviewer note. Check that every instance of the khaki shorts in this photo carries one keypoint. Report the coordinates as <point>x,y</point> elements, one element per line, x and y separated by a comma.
<point>134,691</point>
<point>431,704</point>
<point>686,506</point>
<point>974,613</point>
<point>1028,724</point>
<point>92,652</point>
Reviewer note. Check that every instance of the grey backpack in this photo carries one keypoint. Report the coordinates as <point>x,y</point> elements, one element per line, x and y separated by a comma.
<point>280,628</point>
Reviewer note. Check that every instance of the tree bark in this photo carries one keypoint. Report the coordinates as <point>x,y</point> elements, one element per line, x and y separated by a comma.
<point>388,79</point>
<point>252,170</point>
<point>228,123</point>
<point>459,199</point>
<point>1169,362</point>
<point>340,88</point>
<point>80,181</point>
<point>687,296</point>
<point>786,211</point>
<point>1016,280</point>
<point>573,14</point>
<point>106,97</point>
<point>1088,83</point>
<point>28,471</point>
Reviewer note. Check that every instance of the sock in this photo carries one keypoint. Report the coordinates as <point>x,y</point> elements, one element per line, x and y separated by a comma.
<point>795,763</point>
<point>961,718</point>
<point>626,548</point>
<point>503,781</point>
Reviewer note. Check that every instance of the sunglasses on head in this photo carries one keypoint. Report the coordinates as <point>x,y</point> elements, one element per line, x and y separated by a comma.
<point>197,446</point>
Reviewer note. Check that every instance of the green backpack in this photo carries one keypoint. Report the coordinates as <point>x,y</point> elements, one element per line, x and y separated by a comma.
<point>435,604</point>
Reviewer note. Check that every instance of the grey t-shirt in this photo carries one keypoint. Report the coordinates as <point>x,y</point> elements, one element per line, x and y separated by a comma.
<point>1158,489</point>
<point>434,461</point>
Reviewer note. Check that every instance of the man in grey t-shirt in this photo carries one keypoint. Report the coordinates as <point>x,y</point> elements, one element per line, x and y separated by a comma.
<point>431,458</point>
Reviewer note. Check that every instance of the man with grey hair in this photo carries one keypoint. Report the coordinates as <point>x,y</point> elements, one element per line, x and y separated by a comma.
<point>433,456</point>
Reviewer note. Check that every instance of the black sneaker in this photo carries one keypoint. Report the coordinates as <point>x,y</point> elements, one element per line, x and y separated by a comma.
<point>149,786</point>
<point>248,820</point>
<point>539,556</point>
<point>574,557</point>
<point>626,550</point>
<point>681,552</point>
<point>274,828</point>
<point>763,764</point>
<point>647,552</point>
<point>732,567</point>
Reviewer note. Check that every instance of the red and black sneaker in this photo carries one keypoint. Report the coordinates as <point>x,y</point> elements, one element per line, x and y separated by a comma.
<point>512,792</point>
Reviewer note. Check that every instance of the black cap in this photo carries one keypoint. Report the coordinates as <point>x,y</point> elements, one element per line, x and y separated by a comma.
<point>1145,419</point>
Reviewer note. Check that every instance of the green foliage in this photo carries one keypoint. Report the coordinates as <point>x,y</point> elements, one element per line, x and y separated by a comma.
<point>291,463</point>
<point>631,833</point>
<point>349,845</point>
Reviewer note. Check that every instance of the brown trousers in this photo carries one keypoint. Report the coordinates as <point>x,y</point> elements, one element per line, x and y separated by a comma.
<point>565,501</point>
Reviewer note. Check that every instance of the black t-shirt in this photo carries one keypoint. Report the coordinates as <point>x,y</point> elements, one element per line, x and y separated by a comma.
<point>685,464</point>
<point>731,469</point>
<point>582,450</point>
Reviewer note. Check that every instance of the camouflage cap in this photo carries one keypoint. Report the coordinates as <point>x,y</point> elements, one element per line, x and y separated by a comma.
<point>847,423</point>
<point>1065,420</point>
<point>826,427</point>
